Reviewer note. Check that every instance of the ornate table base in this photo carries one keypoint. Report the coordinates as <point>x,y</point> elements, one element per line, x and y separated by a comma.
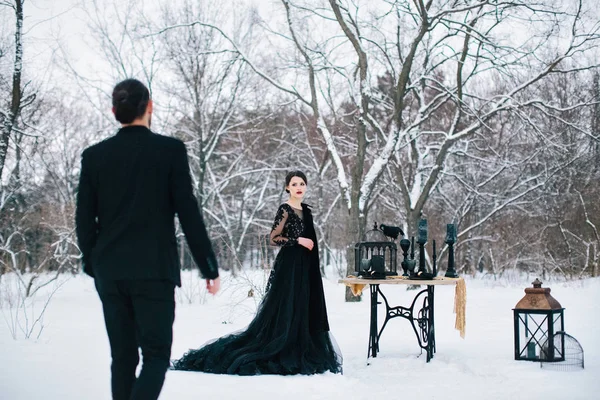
<point>422,320</point>
<point>420,314</point>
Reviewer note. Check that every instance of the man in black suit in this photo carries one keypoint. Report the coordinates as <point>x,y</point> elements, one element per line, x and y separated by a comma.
<point>130,188</point>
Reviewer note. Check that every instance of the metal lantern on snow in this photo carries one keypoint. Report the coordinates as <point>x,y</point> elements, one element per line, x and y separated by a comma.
<point>376,253</point>
<point>538,316</point>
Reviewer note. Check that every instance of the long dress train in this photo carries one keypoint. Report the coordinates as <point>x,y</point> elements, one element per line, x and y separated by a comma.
<point>290,332</point>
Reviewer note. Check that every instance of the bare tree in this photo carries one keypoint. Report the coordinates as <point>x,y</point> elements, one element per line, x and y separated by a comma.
<point>9,117</point>
<point>397,110</point>
<point>206,86</point>
<point>437,105</point>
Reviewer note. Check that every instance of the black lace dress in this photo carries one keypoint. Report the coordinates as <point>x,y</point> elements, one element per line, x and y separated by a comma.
<point>290,332</point>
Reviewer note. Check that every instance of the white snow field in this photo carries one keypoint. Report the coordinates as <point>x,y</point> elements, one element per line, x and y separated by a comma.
<point>70,360</point>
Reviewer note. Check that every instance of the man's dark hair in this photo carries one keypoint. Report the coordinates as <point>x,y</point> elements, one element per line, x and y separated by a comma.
<point>292,174</point>
<point>130,99</point>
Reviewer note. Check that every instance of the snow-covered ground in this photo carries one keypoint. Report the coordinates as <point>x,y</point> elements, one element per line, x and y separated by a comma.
<point>70,360</point>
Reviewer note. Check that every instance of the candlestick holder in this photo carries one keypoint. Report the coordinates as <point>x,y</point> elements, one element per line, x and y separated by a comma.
<point>422,239</point>
<point>405,246</point>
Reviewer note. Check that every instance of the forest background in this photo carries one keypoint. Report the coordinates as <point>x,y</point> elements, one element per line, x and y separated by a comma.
<point>482,113</point>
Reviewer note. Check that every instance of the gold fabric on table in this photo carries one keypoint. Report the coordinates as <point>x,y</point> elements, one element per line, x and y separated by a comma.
<point>355,287</point>
<point>460,306</point>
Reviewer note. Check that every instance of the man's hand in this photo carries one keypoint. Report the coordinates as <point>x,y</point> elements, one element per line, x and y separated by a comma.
<point>306,242</point>
<point>213,285</point>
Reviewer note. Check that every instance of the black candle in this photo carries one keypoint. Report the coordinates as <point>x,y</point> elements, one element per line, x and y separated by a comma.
<point>450,233</point>
<point>434,259</point>
<point>422,232</point>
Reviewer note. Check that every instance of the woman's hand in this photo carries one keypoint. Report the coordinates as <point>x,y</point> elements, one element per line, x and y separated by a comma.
<point>306,242</point>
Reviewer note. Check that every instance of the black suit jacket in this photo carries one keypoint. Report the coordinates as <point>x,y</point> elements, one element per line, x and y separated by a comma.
<point>131,185</point>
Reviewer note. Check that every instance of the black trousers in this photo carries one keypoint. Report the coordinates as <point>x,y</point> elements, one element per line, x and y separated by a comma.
<point>138,313</point>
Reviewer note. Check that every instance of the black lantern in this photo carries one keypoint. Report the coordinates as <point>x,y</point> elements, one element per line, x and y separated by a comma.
<point>376,255</point>
<point>538,316</point>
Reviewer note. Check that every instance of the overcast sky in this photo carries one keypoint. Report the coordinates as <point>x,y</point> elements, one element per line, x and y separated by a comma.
<point>53,28</point>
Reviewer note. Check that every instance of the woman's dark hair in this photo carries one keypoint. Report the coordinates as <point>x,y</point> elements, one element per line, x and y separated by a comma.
<point>130,99</point>
<point>292,174</point>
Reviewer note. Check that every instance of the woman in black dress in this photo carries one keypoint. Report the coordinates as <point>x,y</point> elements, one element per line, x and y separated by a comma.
<point>290,332</point>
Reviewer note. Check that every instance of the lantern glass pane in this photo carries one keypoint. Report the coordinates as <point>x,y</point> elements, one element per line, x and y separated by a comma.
<point>558,322</point>
<point>533,334</point>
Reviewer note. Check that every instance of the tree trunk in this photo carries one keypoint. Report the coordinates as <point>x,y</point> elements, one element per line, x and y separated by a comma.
<point>412,223</point>
<point>201,160</point>
<point>596,119</point>
<point>355,229</point>
<point>595,262</point>
<point>17,94</point>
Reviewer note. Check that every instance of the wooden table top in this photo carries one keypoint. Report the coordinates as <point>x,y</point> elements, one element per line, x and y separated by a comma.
<point>399,280</point>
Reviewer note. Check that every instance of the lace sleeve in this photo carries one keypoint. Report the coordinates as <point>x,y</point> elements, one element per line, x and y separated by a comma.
<point>276,236</point>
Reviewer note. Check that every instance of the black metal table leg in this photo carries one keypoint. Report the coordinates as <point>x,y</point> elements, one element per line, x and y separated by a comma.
<point>430,346</point>
<point>432,329</point>
<point>373,336</point>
